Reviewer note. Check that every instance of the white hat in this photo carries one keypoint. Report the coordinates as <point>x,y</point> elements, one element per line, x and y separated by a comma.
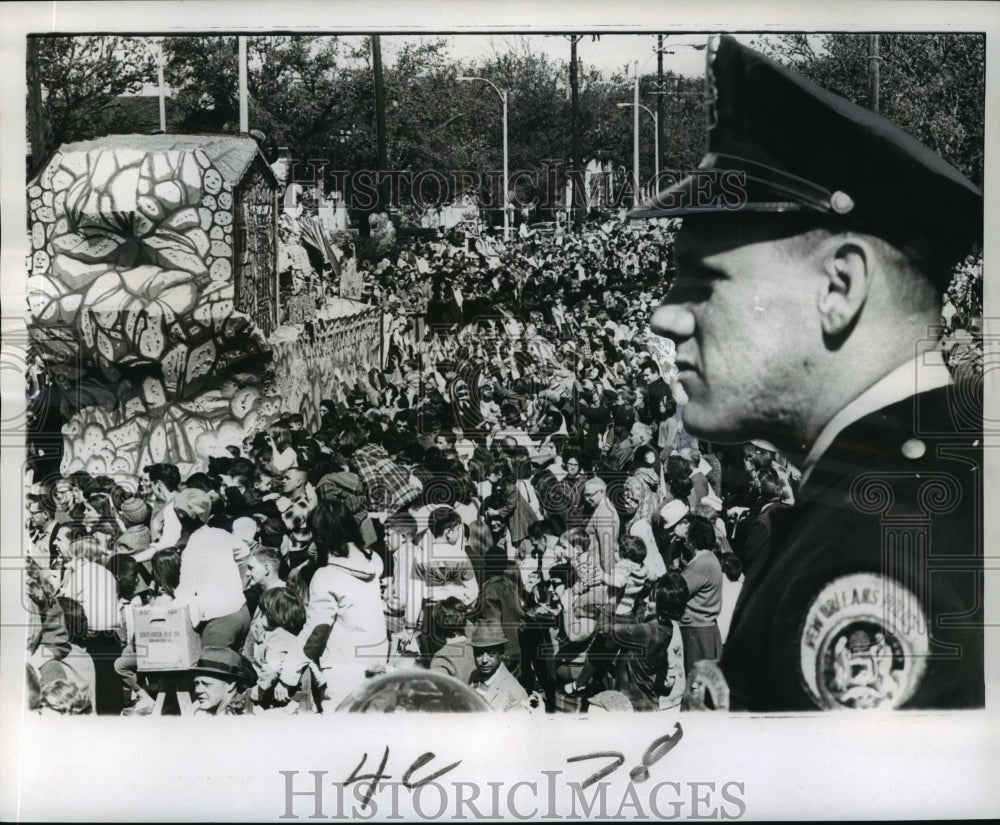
<point>465,448</point>
<point>642,529</point>
<point>672,512</point>
<point>245,529</point>
<point>642,431</point>
<point>712,501</point>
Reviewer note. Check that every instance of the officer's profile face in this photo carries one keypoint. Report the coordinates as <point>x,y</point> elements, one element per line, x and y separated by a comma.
<point>739,312</point>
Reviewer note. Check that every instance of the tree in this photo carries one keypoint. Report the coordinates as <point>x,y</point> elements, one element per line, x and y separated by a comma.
<point>294,90</point>
<point>316,96</point>
<point>608,129</point>
<point>436,121</point>
<point>203,73</point>
<point>292,84</point>
<point>80,78</point>
<point>931,85</point>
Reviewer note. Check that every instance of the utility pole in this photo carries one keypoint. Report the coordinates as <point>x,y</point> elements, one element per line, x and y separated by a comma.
<point>636,198</point>
<point>659,104</point>
<point>577,171</point>
<point>161,91</point>
<point>244,116</point>
<point>380,139</point>
<point>873,80</point>
<point>37,118</point>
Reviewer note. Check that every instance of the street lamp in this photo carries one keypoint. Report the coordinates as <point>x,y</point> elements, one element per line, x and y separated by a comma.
<point>659,52</point>
<point>656,135</point>
<point>506,177</point>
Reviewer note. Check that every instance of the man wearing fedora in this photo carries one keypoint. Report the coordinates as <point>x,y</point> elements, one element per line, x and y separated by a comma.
<point>491,679</point>
<point>816,244</point>
<point>220,679</point>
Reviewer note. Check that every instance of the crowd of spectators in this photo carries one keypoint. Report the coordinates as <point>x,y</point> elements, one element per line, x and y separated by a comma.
<point>512,500</point>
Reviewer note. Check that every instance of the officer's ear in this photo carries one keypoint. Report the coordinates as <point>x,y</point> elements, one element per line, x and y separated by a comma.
<point>848,266</point>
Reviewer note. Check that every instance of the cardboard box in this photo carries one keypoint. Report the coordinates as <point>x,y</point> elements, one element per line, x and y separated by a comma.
<point>165,639</point>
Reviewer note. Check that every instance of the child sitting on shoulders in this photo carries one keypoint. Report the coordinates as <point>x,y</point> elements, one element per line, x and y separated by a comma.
<point>588,592</point>
<point>629,577</point>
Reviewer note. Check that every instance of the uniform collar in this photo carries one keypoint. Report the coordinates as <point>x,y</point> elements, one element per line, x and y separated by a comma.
<point>927,371</point>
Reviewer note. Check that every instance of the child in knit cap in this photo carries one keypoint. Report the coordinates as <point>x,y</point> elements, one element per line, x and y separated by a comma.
<point>136,538</point>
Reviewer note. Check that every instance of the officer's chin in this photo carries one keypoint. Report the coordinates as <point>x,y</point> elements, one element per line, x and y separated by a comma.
<point>709,424</point>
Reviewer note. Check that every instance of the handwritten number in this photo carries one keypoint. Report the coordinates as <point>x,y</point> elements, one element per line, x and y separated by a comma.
<point>640,773</point>
<point>662,746</point>
<point>408,781</point>
<point>418,763</point>
<point>375,777</point>
<point>655,752</point>
<point>619,760</point>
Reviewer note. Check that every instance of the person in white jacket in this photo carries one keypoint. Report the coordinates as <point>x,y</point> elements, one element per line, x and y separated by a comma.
<point>211,584</point>
<point>343,595</point>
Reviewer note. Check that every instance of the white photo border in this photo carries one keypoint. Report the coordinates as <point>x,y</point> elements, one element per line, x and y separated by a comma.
<point>829,766</point>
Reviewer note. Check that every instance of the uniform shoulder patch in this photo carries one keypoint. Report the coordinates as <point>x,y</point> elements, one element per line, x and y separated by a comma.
<point>863,643</point>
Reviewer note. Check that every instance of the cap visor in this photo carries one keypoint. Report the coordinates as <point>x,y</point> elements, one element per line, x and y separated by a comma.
<point>728,190</point>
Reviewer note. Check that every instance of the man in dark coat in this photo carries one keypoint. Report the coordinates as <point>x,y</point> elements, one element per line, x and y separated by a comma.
<point>753,534</point>
<point>808,290</point>
<point>657,392</point>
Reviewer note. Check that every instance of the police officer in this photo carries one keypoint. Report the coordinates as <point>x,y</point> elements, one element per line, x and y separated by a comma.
<point>817,241</point>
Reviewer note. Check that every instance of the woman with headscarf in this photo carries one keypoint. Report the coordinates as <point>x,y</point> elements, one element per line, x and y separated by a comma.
<point>643,491</point>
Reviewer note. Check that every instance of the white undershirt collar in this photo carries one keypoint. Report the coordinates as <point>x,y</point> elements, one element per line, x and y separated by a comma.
<point>923,373</point>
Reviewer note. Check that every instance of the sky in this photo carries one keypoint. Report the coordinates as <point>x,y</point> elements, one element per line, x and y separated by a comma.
<point>611,53</point>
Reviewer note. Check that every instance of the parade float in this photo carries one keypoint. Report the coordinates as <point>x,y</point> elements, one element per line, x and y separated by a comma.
<point>154,306</point>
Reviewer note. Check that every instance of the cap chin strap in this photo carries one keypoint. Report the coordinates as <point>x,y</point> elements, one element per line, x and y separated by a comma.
<point>802,191</point>
<point>793,193</point>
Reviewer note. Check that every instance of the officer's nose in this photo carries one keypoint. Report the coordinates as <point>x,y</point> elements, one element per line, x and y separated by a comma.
<point>674,321</point>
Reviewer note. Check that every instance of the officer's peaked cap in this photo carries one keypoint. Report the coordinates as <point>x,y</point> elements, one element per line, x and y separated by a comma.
<point>777,142</point>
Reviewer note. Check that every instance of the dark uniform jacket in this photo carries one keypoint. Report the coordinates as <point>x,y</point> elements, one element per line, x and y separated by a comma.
<point>753,533</point>
<point>870,593</point>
